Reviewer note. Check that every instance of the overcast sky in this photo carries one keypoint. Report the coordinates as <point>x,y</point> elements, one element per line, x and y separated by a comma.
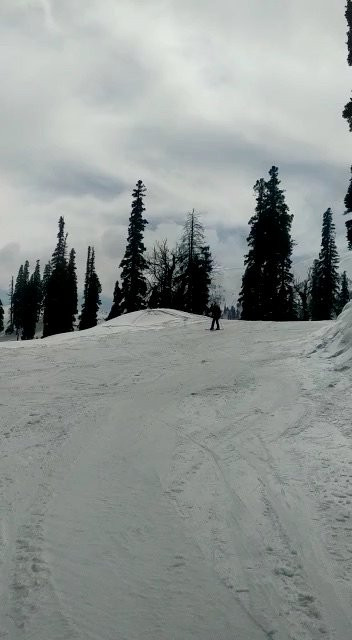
<point>195,97</point>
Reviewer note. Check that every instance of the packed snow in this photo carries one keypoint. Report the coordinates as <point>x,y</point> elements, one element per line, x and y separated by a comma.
<point>162,482</point>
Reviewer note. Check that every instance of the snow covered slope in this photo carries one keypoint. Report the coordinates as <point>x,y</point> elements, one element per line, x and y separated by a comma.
<point>336,341</point>
<point>161,482</point>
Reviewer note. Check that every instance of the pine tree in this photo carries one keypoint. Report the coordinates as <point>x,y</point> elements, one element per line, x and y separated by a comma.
<point>348,15</point>
<point>116,309</point>
<point>1,317</point>
<point>26,301</point>
<point>30,310</point>
<point>37,289</point>
<point>348,210</point>
<point>10,326</point>
<point>194,268</point>
<point>31,300</point>
<point>133,265</point>
<point>17,315</point>
<point>203,270</point>
<point>267,284</point>
<point>315,291</point>
<point>83,321</point>
<point>325,277</point>
<point>329,260</point>
<point>251,295</point>
<point>277,275</point>
<point>344,295</point>
<point>72,287</point>
<point>57,316</point>
<point>92,290</point>
<point>46,277</point>
<point>19,296</point>
<point>347,114</point>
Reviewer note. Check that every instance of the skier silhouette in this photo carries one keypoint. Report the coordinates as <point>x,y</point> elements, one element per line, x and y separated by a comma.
<point>215,313</point>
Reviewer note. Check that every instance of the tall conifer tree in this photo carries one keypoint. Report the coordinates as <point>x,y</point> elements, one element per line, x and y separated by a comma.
<point>347,114</point>
<point>116,309</point>
<point>26,301</point>
<point>19,297</point>
<point>325,276</point>
<point>37,288</point>
<point>315,291</point>
<point>133,264</point>
<point>92,290</point>
<point>46,277</point>
<point>251,295</point>
<point>10,326</point>
<point>30,310</point>
<point>58,301</point>
<point>1,317</point>
<point>344,295</point>
<point>72,286</point>
<point>267,285</point>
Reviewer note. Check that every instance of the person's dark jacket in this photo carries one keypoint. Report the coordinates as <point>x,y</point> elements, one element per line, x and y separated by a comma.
<point>215,311</point>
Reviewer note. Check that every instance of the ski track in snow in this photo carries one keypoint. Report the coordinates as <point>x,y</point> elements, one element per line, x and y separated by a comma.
<point>161,483</point>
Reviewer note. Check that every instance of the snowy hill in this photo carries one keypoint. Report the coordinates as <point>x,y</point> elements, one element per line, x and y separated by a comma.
<point>161,482</point>
<point>336,342</point>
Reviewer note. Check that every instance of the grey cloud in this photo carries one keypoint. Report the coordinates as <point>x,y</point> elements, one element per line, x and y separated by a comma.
<point>225,233</point>
<point>76,180</point>
<point>9,253</point>
<point>199,107</point>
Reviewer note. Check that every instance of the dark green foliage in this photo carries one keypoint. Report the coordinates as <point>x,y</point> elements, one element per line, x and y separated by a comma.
<point>72,286</point>
<point>32,300</point>
<point>347,114</point>
<point>10,326</point>
<point>348,198</point>
<point>116,309</point>
<point>37,288</point>
<point>251,296</point>
<point>194,268</point>
<point>58,302</point>
<point>46,277</point>
<point>203,270</point>
<point>30,310</point>
<point>19,297</point>
<point>267,284</point>
<point>1,317</point>
<point>348,15</point>
<point>325,277</point>
<point>344,293</point>
<point>59,255</point>
<point>134,265</point>
<point>315,293</point>
<point>348,210</point>
<point>26,301</point>
<point>92,290</point>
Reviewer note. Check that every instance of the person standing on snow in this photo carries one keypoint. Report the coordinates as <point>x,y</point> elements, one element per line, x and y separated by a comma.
<point>215,313</point>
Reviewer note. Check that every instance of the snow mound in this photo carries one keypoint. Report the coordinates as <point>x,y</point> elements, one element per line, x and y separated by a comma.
<point>336,340</point>
<point>147,319</point>
<point>152,319</point>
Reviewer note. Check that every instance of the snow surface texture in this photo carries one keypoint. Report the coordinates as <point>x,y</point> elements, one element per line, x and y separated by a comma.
<point>161,482</point>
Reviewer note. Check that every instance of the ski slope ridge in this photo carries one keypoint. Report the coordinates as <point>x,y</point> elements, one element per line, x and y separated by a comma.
<point>160,482</point>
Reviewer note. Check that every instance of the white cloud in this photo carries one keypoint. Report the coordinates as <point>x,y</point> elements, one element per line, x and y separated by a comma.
<point>197,100</point>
